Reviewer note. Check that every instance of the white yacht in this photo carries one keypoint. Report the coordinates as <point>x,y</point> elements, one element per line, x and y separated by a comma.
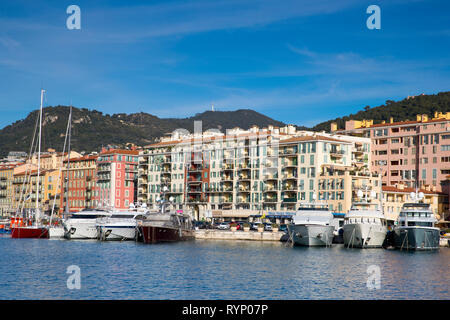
<point>82,225</point>
<point>415,229</point>
<point>120,225</point>
<point>365,225</point>
<point>56,232</point>
<point>312,225</point>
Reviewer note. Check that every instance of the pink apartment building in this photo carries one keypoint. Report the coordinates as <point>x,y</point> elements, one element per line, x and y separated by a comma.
<point>416,153</point>
<point>117,178</point>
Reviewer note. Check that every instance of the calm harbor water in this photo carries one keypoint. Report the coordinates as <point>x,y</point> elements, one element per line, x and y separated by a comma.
<point>36,269</point>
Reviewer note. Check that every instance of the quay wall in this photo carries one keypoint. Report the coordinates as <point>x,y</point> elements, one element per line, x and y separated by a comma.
<point>238,235</point>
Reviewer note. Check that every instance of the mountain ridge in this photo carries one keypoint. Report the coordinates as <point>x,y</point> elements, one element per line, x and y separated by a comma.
<point>91,129</point>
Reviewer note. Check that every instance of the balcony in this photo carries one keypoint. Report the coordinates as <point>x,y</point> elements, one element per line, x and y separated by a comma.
<point>243,200</point>
<point>227,178</point>
<point>271,177</point>
<point>197,200</point>
<point>289,177</point>
<point>292,199</point>
<point>227,167</point>
<point>131,169</point>
<point>289,188</point>
<point>104,177</point>
<point>337,153</point>
<point>290,164</point>
<point>288,151</point>
<point>270,199</point>
<point>103,169</point>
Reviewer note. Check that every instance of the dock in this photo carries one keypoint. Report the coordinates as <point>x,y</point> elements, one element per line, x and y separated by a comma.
<point>213,234</point>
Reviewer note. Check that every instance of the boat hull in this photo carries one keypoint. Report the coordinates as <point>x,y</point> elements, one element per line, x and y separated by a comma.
<point>29,233</point>
<point>362,235</point>
<point>56,233</point>
<point>416,238</point>
<point>80,231</point>
<point>156,234</point>
<point>311,235</point>
<point>116,233</point>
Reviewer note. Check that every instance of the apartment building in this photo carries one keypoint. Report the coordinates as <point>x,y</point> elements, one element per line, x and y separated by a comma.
<point>245,172</point>
<point>6,190</point>
<point>79,183</point>
<point>51,159</point>
<point>25,190</point>
<point>416,153</point>
<point>117,177</point>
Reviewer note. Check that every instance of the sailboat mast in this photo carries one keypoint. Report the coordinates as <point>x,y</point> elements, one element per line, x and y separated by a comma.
<point>68,160</point>
<point>37,215</point>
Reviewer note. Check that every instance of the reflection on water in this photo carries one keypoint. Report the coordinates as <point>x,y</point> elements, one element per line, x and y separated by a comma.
<point>36,269</point>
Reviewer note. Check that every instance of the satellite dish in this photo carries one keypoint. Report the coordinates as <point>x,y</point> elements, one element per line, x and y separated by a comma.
<point>158,199</point>
<point>314,196</point>
<point>165,189</point>
<point>131,205</point>
<point>171,199</point>
<point>421,195</point>
<point>359,194</point>
<point>373,194</point>
<point>144,205</point>
<point>412,195</point>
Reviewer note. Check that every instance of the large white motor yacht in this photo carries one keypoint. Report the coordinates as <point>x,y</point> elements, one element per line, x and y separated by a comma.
<point>312,225</point>
<point>82,225</point>
<point>120,225</point>
<point>365,224</point>
<point>415,229</point>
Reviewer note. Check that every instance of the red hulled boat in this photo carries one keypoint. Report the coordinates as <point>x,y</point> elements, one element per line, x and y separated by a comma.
<point>30,232</point>
<point>19,229</point>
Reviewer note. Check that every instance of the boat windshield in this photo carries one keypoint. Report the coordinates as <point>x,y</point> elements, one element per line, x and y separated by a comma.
<point>118,216</point>
<point>86,216</point>
<point>313,206</point>
<point>417,214</point>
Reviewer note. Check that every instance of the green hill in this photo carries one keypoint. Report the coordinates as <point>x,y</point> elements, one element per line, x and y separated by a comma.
<point>91,129</point>
<point>406,109</point>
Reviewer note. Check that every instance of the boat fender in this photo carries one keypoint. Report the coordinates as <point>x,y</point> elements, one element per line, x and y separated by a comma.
<point>107,233</point>
<point>72,230</point>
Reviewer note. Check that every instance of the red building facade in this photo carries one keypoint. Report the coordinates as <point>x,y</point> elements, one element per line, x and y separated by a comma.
<point>117,178</point>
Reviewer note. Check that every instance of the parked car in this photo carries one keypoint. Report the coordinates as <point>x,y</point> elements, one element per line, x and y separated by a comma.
<point>267,227</point>
<point>224,226</point>
<point>254,226</point>
<point>283,228</point>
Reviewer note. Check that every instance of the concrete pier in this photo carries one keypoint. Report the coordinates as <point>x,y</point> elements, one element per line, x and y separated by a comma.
<point>238,235</point>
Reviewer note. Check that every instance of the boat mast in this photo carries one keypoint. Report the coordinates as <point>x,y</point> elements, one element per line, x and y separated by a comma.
<point>37,214</point>
<point>68,161</point>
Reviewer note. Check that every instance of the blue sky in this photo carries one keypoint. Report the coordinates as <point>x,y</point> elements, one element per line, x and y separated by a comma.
<point>300,62</point>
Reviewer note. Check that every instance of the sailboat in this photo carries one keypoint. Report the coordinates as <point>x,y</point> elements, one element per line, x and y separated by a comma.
<point>57,231</point>
<point>35,229</point>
